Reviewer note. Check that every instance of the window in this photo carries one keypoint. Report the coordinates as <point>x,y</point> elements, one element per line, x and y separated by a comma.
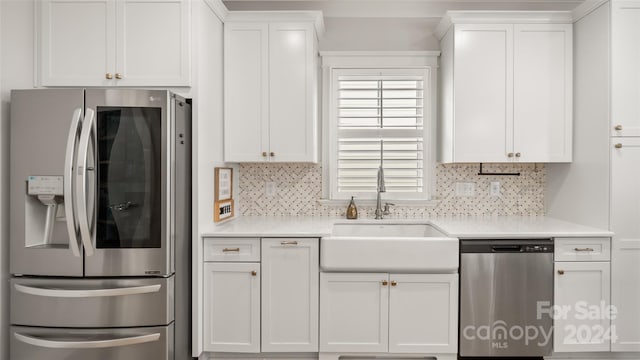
<point>380,117</point>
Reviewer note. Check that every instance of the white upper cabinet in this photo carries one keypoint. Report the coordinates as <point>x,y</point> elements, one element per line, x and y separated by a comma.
<point>113,43</point>
<point>271,102</point>
<point>625,68</point>
<point>506,90</point>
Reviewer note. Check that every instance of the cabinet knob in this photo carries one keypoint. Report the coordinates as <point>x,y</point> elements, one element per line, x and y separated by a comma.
<point>118,76</point>
<point>510,155</point>
<point>393,283</point>
<point>618,146</point>
<point>272,154</point>
<point>109,76</point>
<point>254,273</point>
<point>560,272</point>
<point>385,283</point>
<point>618,127</point>
<point>264,154</point>
<point>518,155</point>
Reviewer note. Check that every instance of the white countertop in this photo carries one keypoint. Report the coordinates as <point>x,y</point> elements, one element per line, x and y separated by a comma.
<point>460,227</point>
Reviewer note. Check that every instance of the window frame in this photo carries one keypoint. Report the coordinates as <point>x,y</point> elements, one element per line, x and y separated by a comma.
<point>337,64</point>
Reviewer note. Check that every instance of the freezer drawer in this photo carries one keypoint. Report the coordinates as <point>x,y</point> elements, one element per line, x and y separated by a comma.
<point>27,343</point>
<point>92,302</point>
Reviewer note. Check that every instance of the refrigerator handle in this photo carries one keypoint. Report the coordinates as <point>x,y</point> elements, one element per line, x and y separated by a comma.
<point>91,344</point>
<point>87,293</point>
<point>69,207</point>
<point>81,182</point>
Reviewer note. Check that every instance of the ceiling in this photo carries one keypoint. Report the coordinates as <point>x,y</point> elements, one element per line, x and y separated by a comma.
<point>399,8</point>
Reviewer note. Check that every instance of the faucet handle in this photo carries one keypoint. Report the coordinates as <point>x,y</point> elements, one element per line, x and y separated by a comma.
<point>386,208</point>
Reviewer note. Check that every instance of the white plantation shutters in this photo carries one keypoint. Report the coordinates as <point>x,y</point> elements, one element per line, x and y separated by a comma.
<point>380,113</point>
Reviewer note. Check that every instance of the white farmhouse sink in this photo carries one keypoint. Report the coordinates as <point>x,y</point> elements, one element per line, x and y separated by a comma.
<point>374,247</point>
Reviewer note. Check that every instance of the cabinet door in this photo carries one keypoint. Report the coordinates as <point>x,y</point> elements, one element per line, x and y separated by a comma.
<point>483,92</point>
<point>579,287</point>
<point>542,92</point>
<point>232,307</point>
<point>76,42</point>
<point>246,86</point>
<point>153,43</point>
<point>354,312</point>
<point>423,313</point>
<point>290,295</point>
<point>625,67</point>
<point>625,254</point>
<point>292,92</point>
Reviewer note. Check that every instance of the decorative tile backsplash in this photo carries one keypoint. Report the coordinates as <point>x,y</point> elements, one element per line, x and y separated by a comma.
<point>299,189</point>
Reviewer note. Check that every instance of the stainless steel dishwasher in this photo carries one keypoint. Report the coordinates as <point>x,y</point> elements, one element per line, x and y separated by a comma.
<point>505,288</point>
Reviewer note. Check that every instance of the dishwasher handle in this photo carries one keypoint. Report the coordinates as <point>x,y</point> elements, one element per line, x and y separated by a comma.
<point>506,248</point>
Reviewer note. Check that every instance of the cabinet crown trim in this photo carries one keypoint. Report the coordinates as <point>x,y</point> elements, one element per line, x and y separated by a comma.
<point>501,17</point>
<point>315,16</point>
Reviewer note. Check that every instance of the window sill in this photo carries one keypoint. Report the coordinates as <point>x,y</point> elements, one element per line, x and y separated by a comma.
<point>371,202</point>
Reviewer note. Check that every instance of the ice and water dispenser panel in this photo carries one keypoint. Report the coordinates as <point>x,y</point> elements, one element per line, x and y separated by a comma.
<point>44,212</point>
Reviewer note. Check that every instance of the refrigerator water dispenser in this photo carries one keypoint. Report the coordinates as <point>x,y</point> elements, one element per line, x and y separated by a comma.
<point>44,205</point>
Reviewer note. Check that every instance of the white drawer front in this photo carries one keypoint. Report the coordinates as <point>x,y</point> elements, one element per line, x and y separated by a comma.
<point>582,249</point>
<point>232,249</point>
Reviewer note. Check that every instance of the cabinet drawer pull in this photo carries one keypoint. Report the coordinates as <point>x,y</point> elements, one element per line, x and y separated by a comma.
<point>264,154</point>
<point>272,154</point>
<point>518,155</point>
<point>583,249</point>
<point>119,76</point>
<point>618,127</point>
<point>618,146</point>
<point>231,250</point>
<point>510,155</point>
<point>385,283</point>
<point>393,283</point>
<point>108,76</point>
<point>288,243</point>
<point>560,272</point>
<point>254,273</point>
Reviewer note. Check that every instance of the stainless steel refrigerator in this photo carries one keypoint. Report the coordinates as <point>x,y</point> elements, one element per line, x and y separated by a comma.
<point>99,224</point>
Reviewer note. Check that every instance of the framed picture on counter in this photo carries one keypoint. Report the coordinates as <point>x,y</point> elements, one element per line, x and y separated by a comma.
<point>223,184</point>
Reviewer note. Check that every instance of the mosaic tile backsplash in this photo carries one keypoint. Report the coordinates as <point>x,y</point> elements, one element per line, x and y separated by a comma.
<point>299,189</point>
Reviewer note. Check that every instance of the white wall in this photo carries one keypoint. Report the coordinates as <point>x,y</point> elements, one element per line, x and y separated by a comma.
<point>207,139</point>
<point>16,71</point>
<point>361,34</point>
<point>579,192</point>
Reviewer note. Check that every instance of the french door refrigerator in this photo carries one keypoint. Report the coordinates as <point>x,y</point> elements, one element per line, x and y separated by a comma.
<point>99,224</point>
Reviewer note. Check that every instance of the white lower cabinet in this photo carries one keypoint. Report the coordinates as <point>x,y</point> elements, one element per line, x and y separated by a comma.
<point>232,307</point>
<point>582,296</point>
<point>396,313</point>
<point>290,295</point>
<point>261,295</point>
<point>625,254</point>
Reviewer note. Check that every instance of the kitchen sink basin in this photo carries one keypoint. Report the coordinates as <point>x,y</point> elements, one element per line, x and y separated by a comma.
<point>374,247</point>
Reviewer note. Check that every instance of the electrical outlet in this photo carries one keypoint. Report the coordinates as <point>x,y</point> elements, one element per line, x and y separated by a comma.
<point>465,189</point>
<point>494,188</point>
<point>270,188</point>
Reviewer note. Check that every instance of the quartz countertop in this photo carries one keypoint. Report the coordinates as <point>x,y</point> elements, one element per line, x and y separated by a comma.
<point>460,227</point>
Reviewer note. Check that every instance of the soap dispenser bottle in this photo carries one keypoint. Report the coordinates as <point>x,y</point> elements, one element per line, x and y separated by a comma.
<point>352,210</point>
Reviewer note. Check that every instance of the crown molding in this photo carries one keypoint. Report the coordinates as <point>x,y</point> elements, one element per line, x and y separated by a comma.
<point>218,8</point>
<point>586,8</point>
<point>501,17</point>
<point>276,16</point>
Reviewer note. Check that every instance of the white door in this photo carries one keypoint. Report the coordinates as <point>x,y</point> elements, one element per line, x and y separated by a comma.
<point>246,86</point>
<point>625,254</point>
<point>542,92</point>
<point>290,295</point>
<point>579,286</point>
<point>625,68</point>
<point>423,313</point>
<point>354,310</point>
<point>292,92</point>
<point>232,307</point>
<point>153,43</point>
<point>483,93</point>
<point>76,42</point>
